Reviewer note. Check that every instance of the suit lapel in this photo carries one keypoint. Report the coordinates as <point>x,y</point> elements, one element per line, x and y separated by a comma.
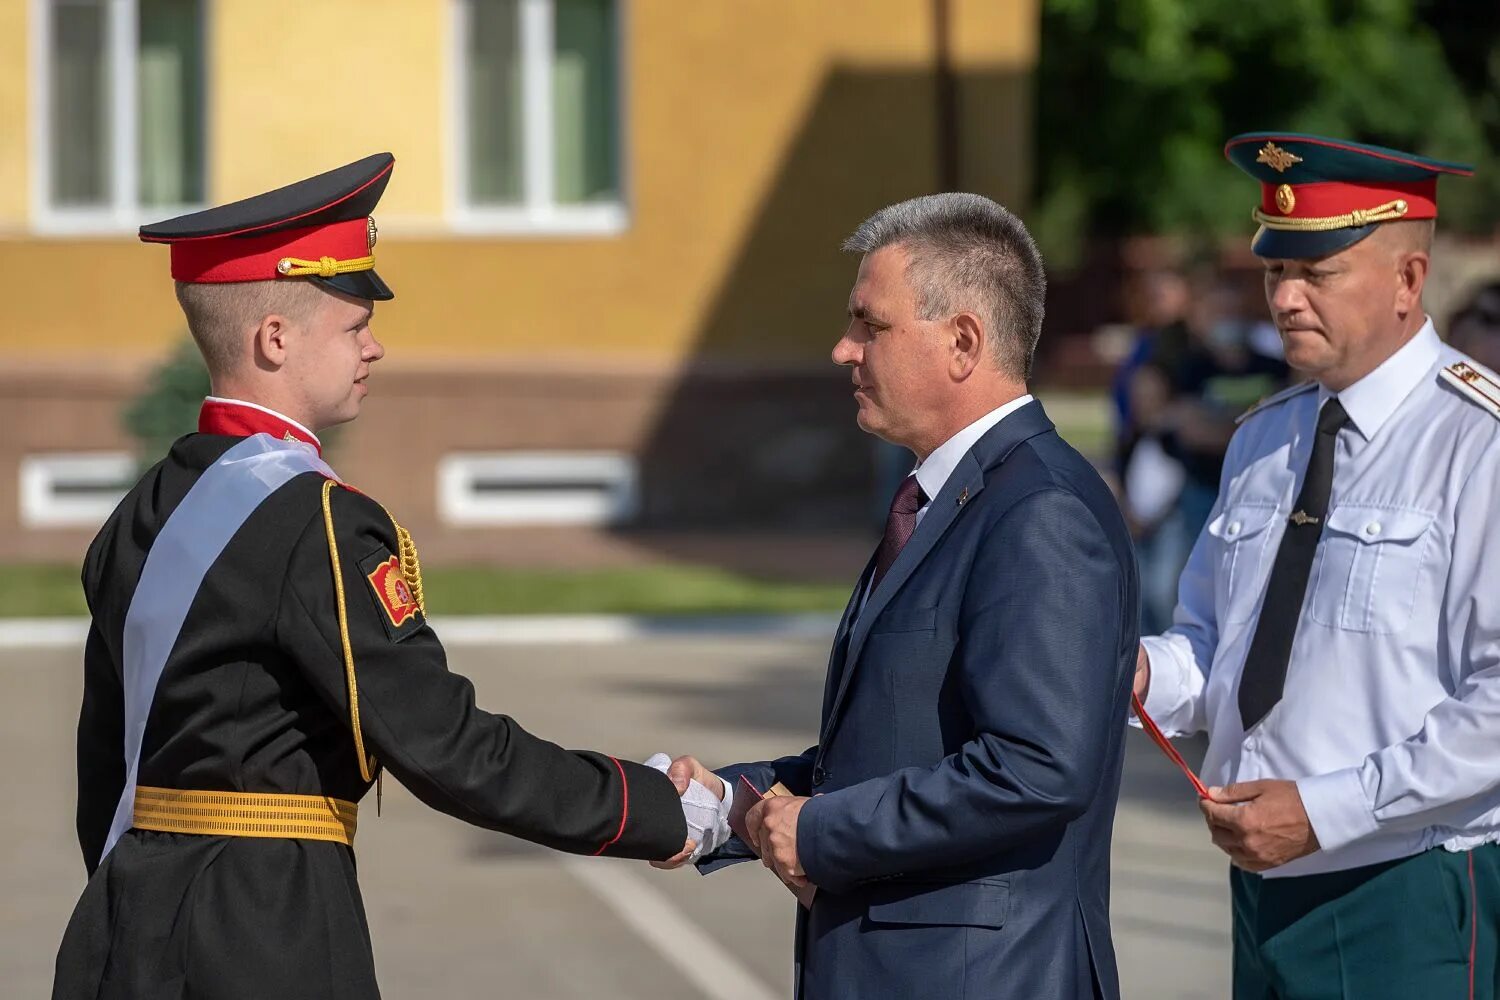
<point>957,494</point>
<point>966,481</point>
<point>837,657</point>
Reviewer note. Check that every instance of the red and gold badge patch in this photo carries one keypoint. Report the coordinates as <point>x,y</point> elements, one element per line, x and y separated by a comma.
<point>392,592</point>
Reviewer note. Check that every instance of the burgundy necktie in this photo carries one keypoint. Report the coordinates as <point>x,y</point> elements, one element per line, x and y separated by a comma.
<point>899,525</point>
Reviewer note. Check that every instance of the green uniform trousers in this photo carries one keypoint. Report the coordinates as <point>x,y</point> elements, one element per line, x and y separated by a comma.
<point>1419,928</point>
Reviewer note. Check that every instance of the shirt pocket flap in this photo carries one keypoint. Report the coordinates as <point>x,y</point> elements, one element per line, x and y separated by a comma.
<point>1241,521</point>
<point>945,904</point>
<point>1379,524</point>
<point>905,620</point>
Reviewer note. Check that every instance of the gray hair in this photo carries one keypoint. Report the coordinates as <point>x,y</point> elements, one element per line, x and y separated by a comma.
<point>967,254</point>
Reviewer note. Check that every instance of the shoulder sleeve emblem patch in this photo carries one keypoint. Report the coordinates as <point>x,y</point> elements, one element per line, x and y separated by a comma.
<point>398,605</point>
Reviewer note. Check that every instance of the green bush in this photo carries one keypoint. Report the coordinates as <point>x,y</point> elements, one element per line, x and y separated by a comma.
<point>168,408</point>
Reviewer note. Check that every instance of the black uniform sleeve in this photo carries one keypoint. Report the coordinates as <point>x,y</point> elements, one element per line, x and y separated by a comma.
<point>101,735</point>
<point>419,719</point>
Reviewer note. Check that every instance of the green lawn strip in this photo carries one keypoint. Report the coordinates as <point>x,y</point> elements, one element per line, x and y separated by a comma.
<point>647,590</point>
<point>36,591</point>
<point>30,591</point>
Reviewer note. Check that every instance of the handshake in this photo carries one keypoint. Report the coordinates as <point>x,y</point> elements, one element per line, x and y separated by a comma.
<point>708,805</point>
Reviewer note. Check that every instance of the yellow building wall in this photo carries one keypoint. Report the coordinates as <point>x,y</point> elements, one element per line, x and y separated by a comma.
<point>755,137</point>
<point>14,77</point>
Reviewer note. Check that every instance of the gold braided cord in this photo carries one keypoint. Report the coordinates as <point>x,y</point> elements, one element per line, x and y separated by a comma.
<point>245,814</point>
<point>411,566</point>
<point>1389,212</point>
<point>366,766</point>
<point>323,267</point>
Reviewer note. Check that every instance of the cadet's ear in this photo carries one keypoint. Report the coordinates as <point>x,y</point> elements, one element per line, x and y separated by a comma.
<point>272,338</point>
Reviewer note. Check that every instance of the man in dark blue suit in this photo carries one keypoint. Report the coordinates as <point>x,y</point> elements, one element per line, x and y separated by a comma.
<point>955,813</point>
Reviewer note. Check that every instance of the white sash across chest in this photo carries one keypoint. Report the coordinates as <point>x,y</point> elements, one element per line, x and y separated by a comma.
<point>188,544</point>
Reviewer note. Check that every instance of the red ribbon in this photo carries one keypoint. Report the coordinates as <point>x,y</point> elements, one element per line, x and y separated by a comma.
<point>1160,739</point>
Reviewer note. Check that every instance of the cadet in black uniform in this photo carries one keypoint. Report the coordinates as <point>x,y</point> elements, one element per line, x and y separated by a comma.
<point>259,651</point>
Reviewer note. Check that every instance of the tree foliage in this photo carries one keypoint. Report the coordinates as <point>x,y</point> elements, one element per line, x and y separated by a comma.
<point>168,405</point>
<point>1136,97</point>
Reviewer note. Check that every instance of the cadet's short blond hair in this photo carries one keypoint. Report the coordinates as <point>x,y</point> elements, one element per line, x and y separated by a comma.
<point>221,316</point>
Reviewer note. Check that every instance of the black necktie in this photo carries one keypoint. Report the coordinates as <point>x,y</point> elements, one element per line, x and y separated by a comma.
<point>1270,650</point>
<point>899,525</point>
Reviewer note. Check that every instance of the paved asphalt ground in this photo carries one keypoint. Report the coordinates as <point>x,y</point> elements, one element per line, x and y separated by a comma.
<point>458,912</point>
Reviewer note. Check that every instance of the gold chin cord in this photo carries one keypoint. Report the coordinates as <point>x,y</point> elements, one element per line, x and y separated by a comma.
<point>1389,212</point>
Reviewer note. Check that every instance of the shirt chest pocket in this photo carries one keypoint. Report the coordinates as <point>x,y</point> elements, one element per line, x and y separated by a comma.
<point>1242,535</point>
<point>1369,567</point>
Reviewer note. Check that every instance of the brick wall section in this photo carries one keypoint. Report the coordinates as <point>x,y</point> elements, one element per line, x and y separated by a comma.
<point>765,455</point>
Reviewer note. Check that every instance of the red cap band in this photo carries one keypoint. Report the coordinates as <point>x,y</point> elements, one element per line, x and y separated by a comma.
<point>1326,199</point>
<point>254,258</point>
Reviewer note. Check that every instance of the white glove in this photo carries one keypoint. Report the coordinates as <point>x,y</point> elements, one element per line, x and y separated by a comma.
<point>706,815</point>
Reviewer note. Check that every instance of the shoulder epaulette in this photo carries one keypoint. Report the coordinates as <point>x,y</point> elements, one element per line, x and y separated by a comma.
<point>1475,385</point>
<point>1274,398</point>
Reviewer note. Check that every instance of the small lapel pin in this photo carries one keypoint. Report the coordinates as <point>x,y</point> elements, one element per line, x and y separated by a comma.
<point>963,496</point>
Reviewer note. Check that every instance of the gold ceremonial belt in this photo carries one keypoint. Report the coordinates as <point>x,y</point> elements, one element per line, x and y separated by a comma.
<point>245,814</point>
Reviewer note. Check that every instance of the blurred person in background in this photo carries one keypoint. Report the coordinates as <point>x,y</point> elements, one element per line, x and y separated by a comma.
<point>1474,327</point>
<point>1156,299</point>
<point>1338,630</point>
<point>1203,371</point>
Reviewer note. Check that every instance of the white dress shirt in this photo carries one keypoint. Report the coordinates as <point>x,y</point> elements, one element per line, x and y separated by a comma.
<point>932,473</point>
<point>1389,720</point>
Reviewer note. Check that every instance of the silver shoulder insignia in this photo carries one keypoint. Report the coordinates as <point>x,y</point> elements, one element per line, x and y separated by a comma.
<point>1274,398</point>
<point>1478,386</point>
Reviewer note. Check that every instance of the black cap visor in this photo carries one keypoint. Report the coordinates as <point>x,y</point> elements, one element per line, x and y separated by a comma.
<point>360,284</point>
<point>1284,244</point>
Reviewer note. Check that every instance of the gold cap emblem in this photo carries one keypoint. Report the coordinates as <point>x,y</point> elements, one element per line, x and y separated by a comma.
<point>1276,158</point>
<point>1285,199</point>
<point>371,232</point>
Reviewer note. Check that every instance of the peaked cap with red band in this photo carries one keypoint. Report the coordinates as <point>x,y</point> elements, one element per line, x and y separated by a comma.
<point>319,228</point>
<point>1320,195</point>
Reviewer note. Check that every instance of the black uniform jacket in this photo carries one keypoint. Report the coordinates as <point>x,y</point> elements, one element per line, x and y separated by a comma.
<point>254,698</point>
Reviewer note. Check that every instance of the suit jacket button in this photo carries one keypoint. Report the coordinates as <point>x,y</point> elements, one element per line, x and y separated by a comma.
<point>819,776</point>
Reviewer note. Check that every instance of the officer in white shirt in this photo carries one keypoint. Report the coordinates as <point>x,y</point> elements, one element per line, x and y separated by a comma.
<point>1338,625</point>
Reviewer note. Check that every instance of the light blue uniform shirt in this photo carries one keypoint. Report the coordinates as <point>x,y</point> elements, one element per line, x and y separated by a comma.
<point>1390,718</point>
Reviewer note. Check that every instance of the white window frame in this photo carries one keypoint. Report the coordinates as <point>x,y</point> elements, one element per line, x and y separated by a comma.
<point>124,213</point>
<point>538,213</point>
<point>606,488</point>
<point>42,507</point>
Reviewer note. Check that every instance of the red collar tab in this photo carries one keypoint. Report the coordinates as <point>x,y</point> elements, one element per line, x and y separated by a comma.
<point>235,419</point>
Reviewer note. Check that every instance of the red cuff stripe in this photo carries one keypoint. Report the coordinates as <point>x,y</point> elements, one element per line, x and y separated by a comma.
<point>624,809</point>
